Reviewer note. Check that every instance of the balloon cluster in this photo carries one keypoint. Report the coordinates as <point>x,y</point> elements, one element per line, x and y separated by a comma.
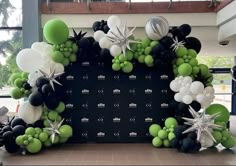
<point>162,137</point>
<point>187,91</point>
<point>122,62</point>
<point>100,26</point>
<point>185,142</point>
<point>21,87</point>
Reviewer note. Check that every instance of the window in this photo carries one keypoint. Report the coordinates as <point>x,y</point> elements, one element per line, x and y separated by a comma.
<point>10,44</point>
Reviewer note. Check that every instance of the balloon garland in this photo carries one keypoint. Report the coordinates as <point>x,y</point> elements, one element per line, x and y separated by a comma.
<point>40,122</point>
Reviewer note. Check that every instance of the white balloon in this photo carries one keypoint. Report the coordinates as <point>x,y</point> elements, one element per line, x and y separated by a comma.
<point>205,141</point>
<point>29,113</point>
<point>98,35</point>
<point>32,78</point>
<point>209,89</point>
<point>104,43</point>
<point>185,90</point>
<point>187,99</point>
<point>37,46</point>
<point>201,98</point>
<point>29,60</point>
<point>187,80</point>
<point>178,97</point>
<point>113,21</point>
<point>174,86</point>
<point>197,87</point>
<point>115,50</point>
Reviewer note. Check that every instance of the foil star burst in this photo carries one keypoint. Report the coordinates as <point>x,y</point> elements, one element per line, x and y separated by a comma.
<point>201,123</point>
<point>122,38</point>
<point>53,128</point>
<point>177,44</point>
<point>51,77</point>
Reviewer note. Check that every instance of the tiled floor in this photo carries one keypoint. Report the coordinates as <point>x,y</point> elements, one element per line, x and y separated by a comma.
<point>122,154</point>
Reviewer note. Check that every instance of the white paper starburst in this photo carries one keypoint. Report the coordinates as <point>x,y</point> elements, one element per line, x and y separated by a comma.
<point>53,128</point>
<point>201,123</point>
<point>122,38</point>
<point>177,44</point>
<point>51,77</point>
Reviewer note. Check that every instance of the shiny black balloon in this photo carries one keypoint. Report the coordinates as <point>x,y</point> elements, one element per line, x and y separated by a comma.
<point>41,81</point>
<point>6,128</point>
<point>11,147</point>
<point>187,145</point>
<point>18,130</point>
<point>178,132</point>
<point>157,49</point>
<point>17,121</point>
<point>193,43</point>
<point>96,47</point>
<point>8,135</point>
<point>177,33</point>
<point>95,25</point>
<point>167,41</point>
<point>186,29</point>
<point>106,28</point>
<point>39,124</point>
<point>51,102</point>
<point>46,88</point>
<point>36,99</point>
<point>84,43</point>
<point>27,86</point>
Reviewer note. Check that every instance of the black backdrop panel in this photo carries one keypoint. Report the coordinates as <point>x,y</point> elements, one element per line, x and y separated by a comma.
<point>106,106</point>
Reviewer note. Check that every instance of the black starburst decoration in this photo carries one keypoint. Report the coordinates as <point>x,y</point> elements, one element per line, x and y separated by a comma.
<point>77,36</point>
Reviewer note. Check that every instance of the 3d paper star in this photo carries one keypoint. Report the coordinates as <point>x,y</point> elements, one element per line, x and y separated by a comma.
<point>122,38</point>
<point>51,77</point>
<point>177,44</point>
<point>201,123</point>
<point>77,36</point>
<point>53,129</point>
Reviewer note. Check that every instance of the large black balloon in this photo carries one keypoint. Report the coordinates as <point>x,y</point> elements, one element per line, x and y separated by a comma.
<point>11,147</point>
<point>193,43</point>
<point>51,102</point>
<point>96,47</point>
<point>173,104</point>
<point>46,88</point>
<point>157,49</point>
<point>186,29</point>
<point>6,128</point>
<point>84,43</point>
<point>36,99</point>
<point>197,146</point>
<point>167,41</point>
<point>175,143</point>
<point>105,57</point>
<point>17,121</point>
<point>41,81</point>
<point>177,33</point>
<point>8,135</point>
<point>192,135</point>
<point>18,130</point>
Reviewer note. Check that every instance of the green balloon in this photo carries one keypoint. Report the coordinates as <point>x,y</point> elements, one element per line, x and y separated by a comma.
<point>35,146</point>
<point>56,31</point>
<point>66,131</point>
<point>73,57</point>
<point>13,77</point>
<point>179,61</point>
<point>46,123</point>
<point>166,143</point>
<point>68,44</point>
<point>153,43</point>
<point>122,58</point>
<point>57,56</point>
<point>129,55</point>
<point>75,48</point>
<point>204,70</point>
<point>181,51</point>
<point>63,139</point>
<point>65,62</point>
<point>146,42</point>
<point>141,58</point>
<point>115,66</point>
<point>185,69</point>
<point>193,62</point>
<point>26,142</point>
<point>59,118</point>
<point>147,50</point>
<point>171,122</point>
<point>226,134</point>
<point>128,67</point>
<point>19,140</point>
<point>148,59</point>
<point>157,142</point>
<point>229,143</point>
<point>217,135</point>
<point>38,130</point>
<point>171,136</point>
<point>43,136</point>
<point>61,107</point>
<point>16,93</point>
<point>52,115</point>
<point>24,75</point>
<point>162,134</point>
<point>47,143</point>
<point>154,129</point>
<point>192,53</point>
<point>219,108</point>
<point>195,70</point>
<point>56,139</point>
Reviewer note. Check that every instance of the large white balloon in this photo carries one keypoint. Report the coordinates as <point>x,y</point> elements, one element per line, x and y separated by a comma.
<point>29,113</point>
<point>201,98</point>
<point>98,35</point>
<point>113,21</point>
<point>104,43</point>
<point>29,60</point>
<point>187,99</point>
<point>175,86</point>
<point>115,50</point>
<point>156,28</point>
<point>178,97</point>
<point>206,141</point>
<point>197,87</point>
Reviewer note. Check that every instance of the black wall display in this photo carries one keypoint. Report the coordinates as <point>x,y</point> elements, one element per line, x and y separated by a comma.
<point>106,106</point>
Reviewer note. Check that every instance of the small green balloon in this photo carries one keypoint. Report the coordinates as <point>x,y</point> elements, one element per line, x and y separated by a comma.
<point>147,50</point>
<point>73,58</point>
<point>148,59</point>
<point>157,142</point>
<point>141,58</point>
<point>195,70</point>
<point>62,139</point>
<point>166,143</point>
<point>171,136</point>
<point>16,93</point>
<point>13,77</point>
<point>129,55</point>
<point>204,70</point>
<point>30,131</point>
<point>35,146</point>
<point>192,53</point>
<point>46,123</point>
<point>56,31</point>
<point>217,135</point>
<point>68,43</point>
<point>154,129</point>
<point>225,133</point>
<point>38,130</point>
<point>55,140</point>
<point>75,48</point>
<point>24,75</point>
<point>19,140</point>
<point>36,135</point>
<point>57,56</point>
<point>154,43</point>
<point>61,107</point>
<point>185,69</point>
<point>162,134</point>
<point>26,142</point>
<point>181,51</point>
<point>52,115</point>
<point>179,61</point>
<point>193,62</point>
<point>146,42</point>
<point>43,136</point>
<point>116,67</point>
<point>66,131</point>
<point>59,118</point>
<point>122,58</point>
<point>171,122</point>
<point>219,108</point>
<point>128,67</point>
<point>65,62</point>
<point>229,143</point>
<point>47,143</point>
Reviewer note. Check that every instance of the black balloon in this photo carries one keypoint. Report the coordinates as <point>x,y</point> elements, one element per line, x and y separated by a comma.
<point>41,81</point>
<point>39,124</point>
<point>36,99</point>
<point>167,41</point>
<point>186,29</point>
<point>95,25</point>
<point>6,128</point>
<point>8,135</point>
<point>197,146</point>
<point>26,86</point>
<point>193,43</point>
<point>175,143</point>
<point>106,28</point>
<point>96,47</point>
<point>46,88</point>
<point>18,130</point>
<point>196,105</point>
<point>11,147</point>
<point>158,49</point>
<point>177,33</point>
<point>51,102</point>
<point>187,145</point>
<point>17,121</point>
<point>84,43</point>
<point>178,131</point>
<point>105,57</point>
<point>173,104</point>
<point>192,135</point>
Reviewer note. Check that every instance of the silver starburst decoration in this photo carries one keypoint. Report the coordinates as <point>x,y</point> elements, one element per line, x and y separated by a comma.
<point>201,123</point>
<point>51,77</point>
<point>177,44</point>
<point>53,128</point>
<point>122,38</point>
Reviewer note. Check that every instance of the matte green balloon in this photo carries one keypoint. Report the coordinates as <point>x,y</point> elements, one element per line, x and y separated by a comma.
<point>166,143</point>
<point>171,136</point>
<point>217,135</point>
<point>185,69</point>
<point>195,70</point>
<point>52,115</point>
<point>56,139</point>
<point>13,77</point>
<point>193,62</point>
<point>56,31</point>
<point>181,51</point>
<point>229,143</point>
<point>141,58</point>
<point>35,146</point>
<point>154,129</point>
<point>179,61</point>
<point>57,56</point>
<point>129,55</point>
<point>171,122</point>
<point>30,131</point>
<point>148,59</point>
<point>147,50</point>
<point>146,42</point>
<point>219,108</point>
<point>43,136</point>
<point>18,82</point>
<point>63,139</point>
<point>157,142</point>
<point>38,130</point>
<point>122,58</point>
<point>66,131</point>
<point>204,70</point>
<point>65,62</point>
<point>73,58</point>
<point>75,48</point>
<point>47,143</point>
<point>24,75</point>
<point>153,43</point>
<point>116,67</point>
<point>192,53</point>
<point>16,93</point>
<point>19,140</point>
<point>162,134</point>
<point>61,107</point>
<point>225,133</point>
<point>128,67</point>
